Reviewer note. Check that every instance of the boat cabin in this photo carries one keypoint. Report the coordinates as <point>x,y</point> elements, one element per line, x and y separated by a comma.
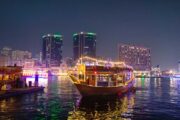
<point>104,76</point>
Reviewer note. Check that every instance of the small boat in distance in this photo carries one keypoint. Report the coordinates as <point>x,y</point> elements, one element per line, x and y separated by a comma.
<point>98,77</point>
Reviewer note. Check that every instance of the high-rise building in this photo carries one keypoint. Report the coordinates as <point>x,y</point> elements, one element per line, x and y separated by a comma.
<point>84,44</point>
<point>52,50</point>
<point>138,57</point>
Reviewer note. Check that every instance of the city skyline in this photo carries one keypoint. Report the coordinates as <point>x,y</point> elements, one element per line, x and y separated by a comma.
<point>89,59</point>
<point>153,24</point>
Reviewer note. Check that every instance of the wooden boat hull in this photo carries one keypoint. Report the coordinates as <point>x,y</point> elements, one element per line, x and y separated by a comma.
<point>86,90</point>
<point>18,92</point>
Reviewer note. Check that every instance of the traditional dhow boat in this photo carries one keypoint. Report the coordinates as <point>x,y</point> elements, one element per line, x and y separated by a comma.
<point>98,77</point>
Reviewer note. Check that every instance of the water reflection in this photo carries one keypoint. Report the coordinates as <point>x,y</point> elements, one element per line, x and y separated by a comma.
<point>174,90</point>
<point>142,83</point>
<point>155,98</point>
<point>54,103</point>
<point>104,108</point>
<point>159,99</point>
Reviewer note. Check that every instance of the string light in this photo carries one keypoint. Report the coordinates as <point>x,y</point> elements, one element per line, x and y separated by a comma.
<point>103,61</point>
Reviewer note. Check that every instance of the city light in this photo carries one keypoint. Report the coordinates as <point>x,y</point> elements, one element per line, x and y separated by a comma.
<point>90,59</point>
<point>32,73</point>
<point>101,61</point>
<point>42,81</point>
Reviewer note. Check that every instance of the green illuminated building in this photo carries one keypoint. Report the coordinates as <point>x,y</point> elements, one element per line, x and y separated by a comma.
<point>84,44</point>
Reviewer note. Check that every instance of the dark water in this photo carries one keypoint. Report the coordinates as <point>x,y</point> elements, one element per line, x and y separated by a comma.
<point>154,99</point>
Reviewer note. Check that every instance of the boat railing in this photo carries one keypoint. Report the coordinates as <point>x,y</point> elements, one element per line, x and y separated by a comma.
<point>74,79</point>
<point>130,80</point>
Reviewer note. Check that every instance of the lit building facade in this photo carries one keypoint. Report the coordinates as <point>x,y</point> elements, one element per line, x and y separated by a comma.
<point>156,71</point>
<point>21,55</point>
<point>4,61</point>
<point>138,57</point>
<point>84,44</point>
<point>11,57</point>
<point>18,57</point>
<point>5,56</point>
<point>6,51</point>
<point>52,50</point>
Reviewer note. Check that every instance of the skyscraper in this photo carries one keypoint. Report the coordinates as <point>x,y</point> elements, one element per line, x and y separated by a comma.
<point>138,57</point>
<point>52,50</point>
<point>84,44</point>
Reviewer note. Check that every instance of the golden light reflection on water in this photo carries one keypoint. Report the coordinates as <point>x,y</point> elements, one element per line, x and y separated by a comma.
<point>7,105</point>
<point>111,108</point>
<point>3,106</point>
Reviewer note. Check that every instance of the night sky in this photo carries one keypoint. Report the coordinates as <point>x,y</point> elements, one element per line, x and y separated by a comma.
<point>151,23</point>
